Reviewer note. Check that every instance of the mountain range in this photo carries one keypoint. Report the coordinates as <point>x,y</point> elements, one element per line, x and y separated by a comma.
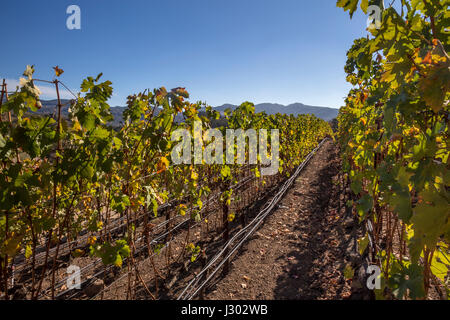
<point>327,114</point>
<point>324,113</point>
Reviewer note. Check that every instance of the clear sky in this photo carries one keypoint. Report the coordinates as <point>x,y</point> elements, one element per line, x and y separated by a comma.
<point>222,51</point>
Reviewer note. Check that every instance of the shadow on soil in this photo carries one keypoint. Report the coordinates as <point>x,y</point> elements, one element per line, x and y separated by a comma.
<point>305,279</point>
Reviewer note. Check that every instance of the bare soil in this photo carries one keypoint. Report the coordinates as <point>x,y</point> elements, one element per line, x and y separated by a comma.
<point>303,247</point>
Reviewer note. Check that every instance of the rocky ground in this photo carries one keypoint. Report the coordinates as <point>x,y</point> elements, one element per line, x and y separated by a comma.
<point>302,249</point>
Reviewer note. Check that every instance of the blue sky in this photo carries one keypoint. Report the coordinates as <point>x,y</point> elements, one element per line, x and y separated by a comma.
<point>222,51</point>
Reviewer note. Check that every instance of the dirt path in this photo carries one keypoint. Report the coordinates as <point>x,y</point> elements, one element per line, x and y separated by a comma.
<point>302,249</point>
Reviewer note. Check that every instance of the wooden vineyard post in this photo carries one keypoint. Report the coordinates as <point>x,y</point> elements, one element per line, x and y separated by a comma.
<point>203,261</point>
<point>168,238</point>
<point>1,102</point>
<point>258,183</point>
<point>54,205</point>
<point>168,214</point>
<point>5,92</point>
<point>1,99</point>
<point>243,205</point>
<point>226,235</point>
<point>243,219</point>
<point>5,260</point>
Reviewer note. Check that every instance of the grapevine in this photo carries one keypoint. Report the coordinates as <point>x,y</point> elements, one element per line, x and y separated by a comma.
<point>76,185</point>
<point>394,135</point>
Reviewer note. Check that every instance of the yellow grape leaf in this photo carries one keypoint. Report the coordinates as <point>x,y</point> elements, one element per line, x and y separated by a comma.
<point>28,252</point>
<point>118,262</point>
<point>163,164</point>
<point>77,253</point>
<point>440,264</point>
<point>91,240</point>
<point>362,244</point>
<point>351,144</point>
<point>349,273</point>
<point>58,71</point>
<point>182,209</point>
<point>76,126</point>
<point>12,245</point>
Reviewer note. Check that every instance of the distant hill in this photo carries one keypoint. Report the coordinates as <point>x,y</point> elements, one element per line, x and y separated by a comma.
<point>324,113</point>
<point>327,114</point>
